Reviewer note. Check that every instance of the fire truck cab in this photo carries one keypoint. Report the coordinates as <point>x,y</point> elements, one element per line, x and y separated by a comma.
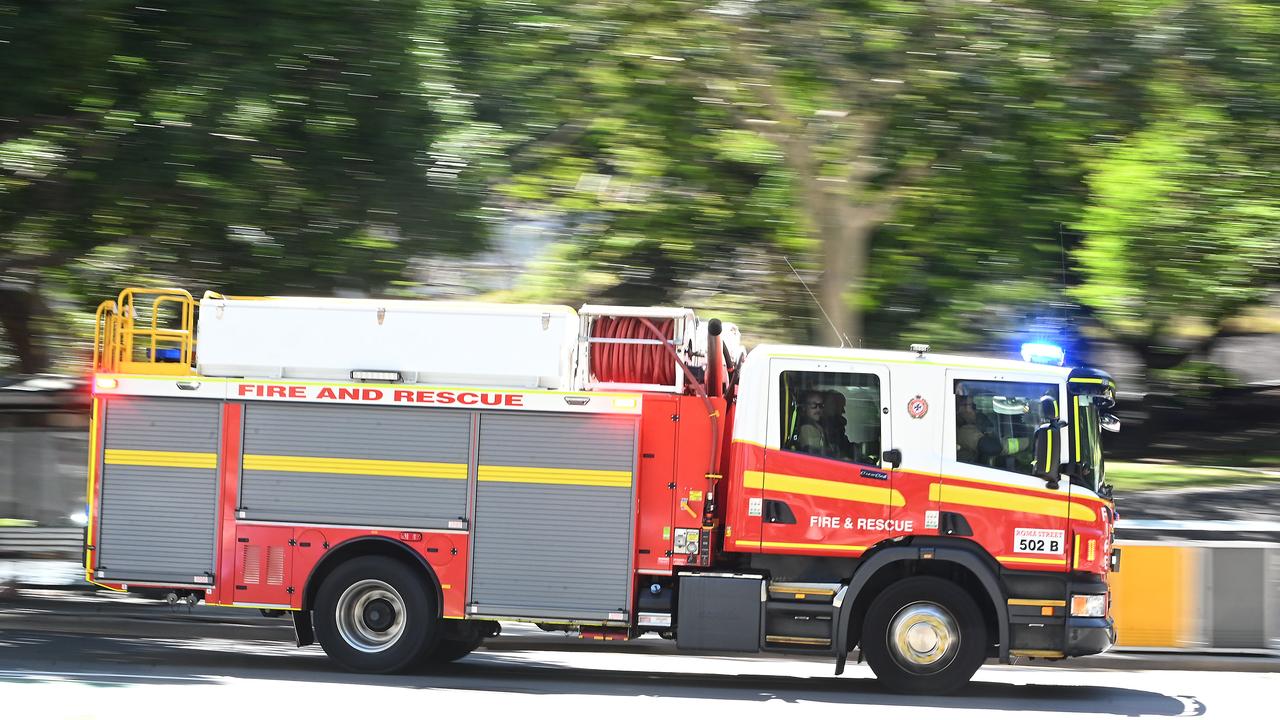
<point>404,476</point>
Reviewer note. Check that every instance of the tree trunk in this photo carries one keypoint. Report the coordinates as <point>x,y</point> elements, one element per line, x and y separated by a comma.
<point>846,247</point>
<point>20,310</point>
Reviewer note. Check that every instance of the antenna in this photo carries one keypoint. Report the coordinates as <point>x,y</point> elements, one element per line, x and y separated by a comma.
<point>843,338</point>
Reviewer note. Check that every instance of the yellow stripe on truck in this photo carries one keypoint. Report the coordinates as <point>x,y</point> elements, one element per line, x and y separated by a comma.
<point>554,476</point>
<point>776,482</point>
<point>161,458</point>
<point>355,466</point>
<point>979,497</point>
<point>94,416</point>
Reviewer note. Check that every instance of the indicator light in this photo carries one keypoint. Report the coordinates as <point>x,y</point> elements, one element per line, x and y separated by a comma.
<point>1089,605</point>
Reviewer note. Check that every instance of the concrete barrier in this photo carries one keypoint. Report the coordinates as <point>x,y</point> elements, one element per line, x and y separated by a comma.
<point>1198,596</point>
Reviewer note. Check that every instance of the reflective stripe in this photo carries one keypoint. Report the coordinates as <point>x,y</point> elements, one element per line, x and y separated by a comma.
<point>873,494</point>
<point>554,476</point>
<point>94,416</point>
<point>161,458</point>
<point>354,466</point>
<point>1038,603</point>
<point>1075,415</point>
<point>808,546</point>
<point>1033,561</point>
<point>979,497</point>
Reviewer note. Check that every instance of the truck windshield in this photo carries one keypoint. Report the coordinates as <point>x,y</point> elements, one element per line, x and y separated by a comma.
<point>1087,428</point>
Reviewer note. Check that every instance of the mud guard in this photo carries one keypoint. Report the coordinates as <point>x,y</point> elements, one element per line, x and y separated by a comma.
<point>959,554</point>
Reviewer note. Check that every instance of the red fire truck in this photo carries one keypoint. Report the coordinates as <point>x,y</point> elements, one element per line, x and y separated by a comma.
<point>402,476</point>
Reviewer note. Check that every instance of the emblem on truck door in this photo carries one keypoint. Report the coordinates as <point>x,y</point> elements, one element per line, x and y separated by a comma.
<point>917,407</point>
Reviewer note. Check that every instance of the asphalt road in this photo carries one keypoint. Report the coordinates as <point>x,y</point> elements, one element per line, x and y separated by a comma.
<point>69,656</point>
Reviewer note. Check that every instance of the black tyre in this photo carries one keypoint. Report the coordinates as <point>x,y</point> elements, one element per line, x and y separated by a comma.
<point>446,651</point>
<point>924,635</point>
<point>376,615</point>
<point>459,638</point>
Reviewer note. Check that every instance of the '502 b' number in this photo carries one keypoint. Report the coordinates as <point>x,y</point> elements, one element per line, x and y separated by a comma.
<point>1039,541</point>
<point>1038,546</point>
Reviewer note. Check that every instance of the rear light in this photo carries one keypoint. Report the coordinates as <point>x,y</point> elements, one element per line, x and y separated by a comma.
<point>1089,606</point>
<point>106,383</point>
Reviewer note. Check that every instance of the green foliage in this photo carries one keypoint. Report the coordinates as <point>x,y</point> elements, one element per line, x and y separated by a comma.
<point>260,147</point>
<point>921,164</point>
<point>1183,220</point>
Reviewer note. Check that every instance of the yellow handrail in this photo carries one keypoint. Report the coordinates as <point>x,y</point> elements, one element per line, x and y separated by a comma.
<point>116,330</point>
<point>104,324</point>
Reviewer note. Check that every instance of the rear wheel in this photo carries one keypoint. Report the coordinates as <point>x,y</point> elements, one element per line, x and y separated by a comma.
<point>458,639</point>
<point>924,635</point>
<point>446,651</point>
<point>375,615</point>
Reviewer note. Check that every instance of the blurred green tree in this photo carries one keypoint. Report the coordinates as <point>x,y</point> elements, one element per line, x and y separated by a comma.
<point>1183,222</point>
<point>258,147</point>
<point>1183,234</point>
<point>670,134</point>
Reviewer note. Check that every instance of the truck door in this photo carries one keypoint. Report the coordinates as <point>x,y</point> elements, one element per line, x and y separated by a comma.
<point>988,490</point>
<point>824,488</point>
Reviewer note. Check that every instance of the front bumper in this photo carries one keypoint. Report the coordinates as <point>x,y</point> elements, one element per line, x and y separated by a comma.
<point>1089,636</point>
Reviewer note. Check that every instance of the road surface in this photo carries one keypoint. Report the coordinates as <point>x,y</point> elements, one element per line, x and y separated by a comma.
<point>72,656</point>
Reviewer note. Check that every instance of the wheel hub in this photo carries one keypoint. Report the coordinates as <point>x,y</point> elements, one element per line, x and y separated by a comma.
<point>923,637</point>
<point>370,615</point>
<point>379,615</point>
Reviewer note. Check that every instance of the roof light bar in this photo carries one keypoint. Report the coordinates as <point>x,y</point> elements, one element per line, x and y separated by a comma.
<point>1043,353</point>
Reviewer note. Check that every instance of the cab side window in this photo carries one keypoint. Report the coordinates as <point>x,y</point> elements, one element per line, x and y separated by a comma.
<point>996,423</point>
<point>831,415</point>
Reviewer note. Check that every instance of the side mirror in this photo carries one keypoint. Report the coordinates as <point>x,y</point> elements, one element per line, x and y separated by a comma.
<point>1110,422</point>
<point>1046,437</point>
<point>1046,467</point>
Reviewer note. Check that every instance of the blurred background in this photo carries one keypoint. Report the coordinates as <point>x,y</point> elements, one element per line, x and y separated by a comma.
<point>974,175</point>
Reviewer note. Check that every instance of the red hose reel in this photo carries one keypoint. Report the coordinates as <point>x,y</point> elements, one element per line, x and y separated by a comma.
<point>631,363</point>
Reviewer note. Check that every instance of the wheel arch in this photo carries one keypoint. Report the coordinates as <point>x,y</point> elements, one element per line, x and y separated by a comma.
<point>944,557</point>
<point>367,545</point>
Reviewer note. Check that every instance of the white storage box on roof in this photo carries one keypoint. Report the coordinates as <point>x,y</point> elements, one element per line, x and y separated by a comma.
<point>437,343</point>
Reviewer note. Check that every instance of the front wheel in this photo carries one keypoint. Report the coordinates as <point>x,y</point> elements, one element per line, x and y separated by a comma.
<point>924,635</point>
<point>375,615</point>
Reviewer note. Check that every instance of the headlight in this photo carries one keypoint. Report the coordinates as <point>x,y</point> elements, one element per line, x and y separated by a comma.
<point>1089,605</point>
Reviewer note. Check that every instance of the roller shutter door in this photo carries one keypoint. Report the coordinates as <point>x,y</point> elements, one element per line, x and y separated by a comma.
<point>345,465</point>
<point>159,490</point>
<point>553,519</point>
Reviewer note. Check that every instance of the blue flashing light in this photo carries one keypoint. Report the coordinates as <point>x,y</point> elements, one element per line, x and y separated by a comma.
<point>1043,353</point>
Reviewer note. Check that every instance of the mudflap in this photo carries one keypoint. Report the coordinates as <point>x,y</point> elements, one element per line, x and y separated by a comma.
<point>303,632</point>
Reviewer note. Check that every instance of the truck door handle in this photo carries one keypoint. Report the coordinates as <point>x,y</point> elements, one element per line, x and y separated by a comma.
<point>776,511</point>
<point>893,457</point>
